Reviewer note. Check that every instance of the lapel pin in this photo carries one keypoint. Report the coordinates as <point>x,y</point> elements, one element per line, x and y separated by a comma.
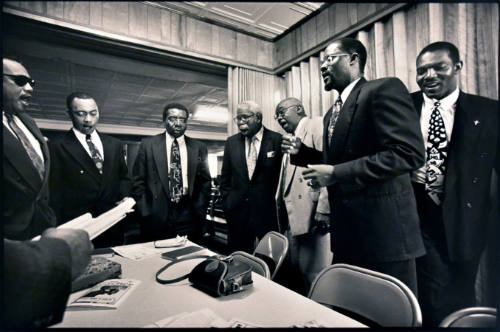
<point>476,122</point>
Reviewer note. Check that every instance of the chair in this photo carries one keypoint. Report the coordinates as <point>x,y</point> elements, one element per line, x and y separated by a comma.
<point>474,317</point>
<point>374,298</point>
<point>257,264</point>
<point>272,249</point>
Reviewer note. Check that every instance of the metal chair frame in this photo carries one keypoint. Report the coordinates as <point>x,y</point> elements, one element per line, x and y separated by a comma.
<point>275,246</point>
<point>257,264</point>
<point>473,317</point>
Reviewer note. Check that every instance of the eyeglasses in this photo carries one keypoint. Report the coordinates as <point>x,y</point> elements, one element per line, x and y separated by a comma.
<point>21,80</point>
<point>174,119</point>
<point>281,113</point>
<point>243,118</point>
<point>329,58</point>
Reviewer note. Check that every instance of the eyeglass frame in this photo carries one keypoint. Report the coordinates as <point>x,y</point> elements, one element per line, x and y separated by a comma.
<point>281,114</point>
<point>27,79</point>
<point>329,58</point>
<point>246,118</point>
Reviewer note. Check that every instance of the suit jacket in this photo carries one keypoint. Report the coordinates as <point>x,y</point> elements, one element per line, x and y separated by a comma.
<point>36,282</point>
<point>300,201</point>
<point>376,143</point>
<point>151,183</point>
<point>26,212</point>
<point>249,205</point>
<point>76,187</point>
<point>472,155</point>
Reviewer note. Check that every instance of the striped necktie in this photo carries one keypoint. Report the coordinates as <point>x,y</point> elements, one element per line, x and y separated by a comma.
<point>30,150</point>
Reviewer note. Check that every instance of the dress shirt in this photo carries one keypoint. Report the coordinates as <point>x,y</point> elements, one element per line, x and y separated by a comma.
<point>300,127</point>
<point>447,111</point>
<point>184,156</point>
<point>347,90</point>
<point>94,137</point>
<point>257,142</point>
<point>34,142</point>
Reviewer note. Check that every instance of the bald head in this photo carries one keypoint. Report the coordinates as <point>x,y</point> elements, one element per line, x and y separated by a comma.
<point>288,113</point>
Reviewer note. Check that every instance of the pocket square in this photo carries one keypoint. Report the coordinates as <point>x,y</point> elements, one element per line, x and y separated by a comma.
<point>271,154</point>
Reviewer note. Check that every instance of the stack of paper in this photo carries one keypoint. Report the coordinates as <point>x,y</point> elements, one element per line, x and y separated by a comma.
<point>107,294</point>
<point>97,226</point>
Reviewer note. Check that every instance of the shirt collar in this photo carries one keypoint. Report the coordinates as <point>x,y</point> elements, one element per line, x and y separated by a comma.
<point>93,136</point>
<point>347,90</point>
<point>446,103</point>
<point>171,138</point>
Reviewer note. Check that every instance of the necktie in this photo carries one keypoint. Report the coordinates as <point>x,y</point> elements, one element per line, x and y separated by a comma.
<point>96,156</point>
<point>252,156</point>
<point>333,118</point>
<point>30,150</point>
<point>437,150</point>
<point>175,174</point>
<point>286,157</point>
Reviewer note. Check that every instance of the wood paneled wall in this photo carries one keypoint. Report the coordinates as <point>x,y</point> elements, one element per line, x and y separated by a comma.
<point>265,89</point>
<point>394,42</point>
<point>152,26</point>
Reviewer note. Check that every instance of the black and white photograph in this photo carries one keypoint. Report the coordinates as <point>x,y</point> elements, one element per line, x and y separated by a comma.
<point>250,164</point>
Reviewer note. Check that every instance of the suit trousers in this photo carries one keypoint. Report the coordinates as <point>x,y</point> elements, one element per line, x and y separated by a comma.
<point>444,286</point>
<point>180,221</point>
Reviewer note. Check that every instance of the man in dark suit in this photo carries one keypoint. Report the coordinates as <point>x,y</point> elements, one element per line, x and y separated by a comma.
<point>370,146</point>
<point>26,160</point>
<point>171,180</point>
<point>88,171</point>
<point>249,178</point>
<point>37,276</point>
<point>453,187</point>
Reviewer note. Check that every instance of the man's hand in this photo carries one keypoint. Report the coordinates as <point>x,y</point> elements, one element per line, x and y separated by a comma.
<point>290,144</point>
<point>79,244</point>
<point>319,175</point>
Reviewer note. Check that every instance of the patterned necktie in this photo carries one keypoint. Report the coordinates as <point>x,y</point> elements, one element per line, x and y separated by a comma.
<point>437,151</point>
<point>252,156</point>
<point>30,150</point>
<point>175,174</point>
<point>333,118</point>
<point>96,156</point>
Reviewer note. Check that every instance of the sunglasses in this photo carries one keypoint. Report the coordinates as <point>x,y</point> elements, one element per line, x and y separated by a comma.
<point>21,80</point>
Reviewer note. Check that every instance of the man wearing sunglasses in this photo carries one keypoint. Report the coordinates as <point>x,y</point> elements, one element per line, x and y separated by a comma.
<point>371,143</point>
<point>88,172</point>
<point>26,160</point>
<point>249,178</point>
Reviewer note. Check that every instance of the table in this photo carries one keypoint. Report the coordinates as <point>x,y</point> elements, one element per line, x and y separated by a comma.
<point>266,304</point>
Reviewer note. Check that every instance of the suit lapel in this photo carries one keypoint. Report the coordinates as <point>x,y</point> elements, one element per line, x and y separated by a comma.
<point>108,149</point>
<point>73,146</point>
<point>241,155</point>
<point>466,130</point>
<point>13,150</point>
<point>160,156</point>
<point>192,154</point>
<point>291,169</point>
<point>344,122</point>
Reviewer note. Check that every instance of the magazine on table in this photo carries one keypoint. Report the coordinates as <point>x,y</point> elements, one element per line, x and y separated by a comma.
<point>107,294</point>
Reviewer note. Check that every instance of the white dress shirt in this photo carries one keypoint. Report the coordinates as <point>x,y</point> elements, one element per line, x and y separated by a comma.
<point>447,111</point>
<point>184,161</point>
<point>94,137</point>
<point>31,138</point>
<point>257,142</point>
<point>347,90</point>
